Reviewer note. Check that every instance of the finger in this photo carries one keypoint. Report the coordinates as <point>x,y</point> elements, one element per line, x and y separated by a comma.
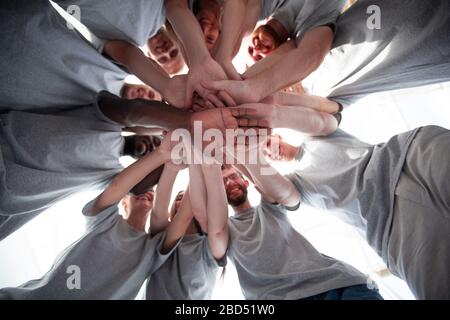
<point>243,122</point>
<point>202,92</point>
<point>215,101</point>
<point>196,107</point>
<point>227,99</point>
<point>241,112</point>
<point>215,85</point>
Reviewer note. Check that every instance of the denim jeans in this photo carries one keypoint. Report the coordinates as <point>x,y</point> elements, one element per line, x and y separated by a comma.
<point>359,292</point>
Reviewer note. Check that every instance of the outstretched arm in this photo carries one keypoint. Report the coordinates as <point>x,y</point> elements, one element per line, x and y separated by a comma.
<point>304,120</point>
<point>297,64</point>
<point>293,68</point>
<point>234,16</point>
<point>201,65</point>
<point>178,226</point>
<point>198,194</point>
<point>269,61</point>
<point>217,210</point>
<point>129,177</point>
<point>160,212</point>
<point>274,187</point>
<point>316,103</point>
<point>142,113</point>
<point>146,69</point>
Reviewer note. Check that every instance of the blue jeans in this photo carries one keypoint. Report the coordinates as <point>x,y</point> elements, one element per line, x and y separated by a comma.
<point>359,292</point>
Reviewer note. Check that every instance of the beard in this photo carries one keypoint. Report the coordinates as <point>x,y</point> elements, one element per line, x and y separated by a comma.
<point>239,200</point>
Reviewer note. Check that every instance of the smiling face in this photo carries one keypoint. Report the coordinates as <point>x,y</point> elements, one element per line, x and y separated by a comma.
<point>166,52</point>
<point>263,43</point>
<point>139,91</point>
<point>208,15</point>
<point>235,187</point>
<point>138,204</point>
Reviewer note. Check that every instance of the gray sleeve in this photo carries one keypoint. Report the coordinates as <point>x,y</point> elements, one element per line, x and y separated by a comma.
<point>316,13</point>
<point>286,15</point>
<point>301,187</point>
<point>99,113</point>
<point>92,221</point>
<point>276,209</point>
<point>301,152</point>
<point>209,258</point>
<point>130,21</point>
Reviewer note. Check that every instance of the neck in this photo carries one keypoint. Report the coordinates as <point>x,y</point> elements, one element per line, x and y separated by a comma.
<point>243,207</point>
<point>279,29</point>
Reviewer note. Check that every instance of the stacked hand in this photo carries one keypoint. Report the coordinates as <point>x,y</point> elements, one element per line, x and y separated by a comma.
<point>208,70</point>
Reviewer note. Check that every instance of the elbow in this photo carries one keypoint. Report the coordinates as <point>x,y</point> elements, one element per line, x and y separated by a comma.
<point>329,124</point>
<point>291,199</point>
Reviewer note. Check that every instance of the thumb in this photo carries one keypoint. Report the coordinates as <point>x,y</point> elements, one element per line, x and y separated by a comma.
<point>215,85</point>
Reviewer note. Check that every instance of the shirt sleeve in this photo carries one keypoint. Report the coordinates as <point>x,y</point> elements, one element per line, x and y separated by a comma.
<point>110,214</point>
<point>209,256</point>
<point>131,21</point>
<point>316,13</point>
<point>99,113</point>
<point>272,207</point>
<point>286,15</point>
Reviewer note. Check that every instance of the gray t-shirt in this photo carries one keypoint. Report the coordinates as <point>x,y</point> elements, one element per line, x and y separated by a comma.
<point>189,274</point>
<point>132,21</point>
<point>45,66</point>
<point>46,158</point>
<point>301,16</point>
<point>410,48</point>
<point>355,180</point>
<point>274,262</point>
<point>112,261</point>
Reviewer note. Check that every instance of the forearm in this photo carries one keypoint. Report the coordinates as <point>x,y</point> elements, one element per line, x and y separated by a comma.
<point>304,120</point>
<point>128,178</point>
<point>180,223</point>
<point>296,65</point>
<point>148,182</point>
<point>316,103</point>
<point>147,70</point>
<point>272,184</point>
<point>160,213</point>
<point>188,31</point>
<point>144,113</point>
<point>233,18</point>
<point>269,61</point>
<point>217,210</point>
<point>198,195</point>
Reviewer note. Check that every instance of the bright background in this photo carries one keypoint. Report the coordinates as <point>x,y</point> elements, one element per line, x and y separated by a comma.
<point>29,253</point>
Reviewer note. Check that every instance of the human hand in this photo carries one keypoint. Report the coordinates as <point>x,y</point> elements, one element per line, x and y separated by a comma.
<point>175,92</point>
<point>278,150</point>
<point>256,115</point>
<point>241,91</point>
<point>230,70</point>
<point>221,119</point>
<point>209,70</point>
